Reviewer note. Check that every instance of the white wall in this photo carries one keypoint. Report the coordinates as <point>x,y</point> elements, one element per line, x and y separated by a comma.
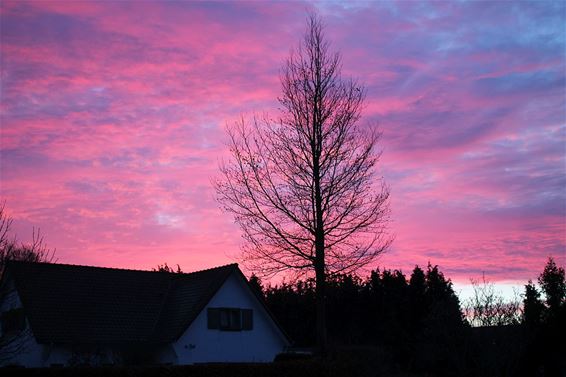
<point>199,344</point>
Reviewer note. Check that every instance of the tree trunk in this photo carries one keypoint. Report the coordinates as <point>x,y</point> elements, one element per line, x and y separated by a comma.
<point>320,267</point>
<point>321,335</point>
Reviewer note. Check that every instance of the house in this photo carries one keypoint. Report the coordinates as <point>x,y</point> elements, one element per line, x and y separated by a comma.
<point>60,315</point>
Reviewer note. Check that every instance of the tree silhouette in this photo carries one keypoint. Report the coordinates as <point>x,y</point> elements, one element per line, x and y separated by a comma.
<point>420,325</point>
<point>166,268</point>
<point>303,188</point>
<point>532,306</point>
<point>546,322</point>
<point>256,286</point>
<point>11,249</point>
<point>488,307</point>
<point>417,299</point>
<point>553,285</point>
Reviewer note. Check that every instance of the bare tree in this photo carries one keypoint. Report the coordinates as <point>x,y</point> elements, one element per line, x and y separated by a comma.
<point>487,307</point>
<point>11,249</point>
<point>303,187</point>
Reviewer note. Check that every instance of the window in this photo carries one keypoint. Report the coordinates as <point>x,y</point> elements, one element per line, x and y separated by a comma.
<point>13,321</point>
<point>230,319</point>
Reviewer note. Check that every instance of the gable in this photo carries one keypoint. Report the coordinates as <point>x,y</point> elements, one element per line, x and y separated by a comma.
<point>236,293</point>
<point>187,296</point>
<point>202,343</point>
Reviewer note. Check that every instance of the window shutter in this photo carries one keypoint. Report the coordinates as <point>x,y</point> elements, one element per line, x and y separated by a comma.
<point>247,319</point>
<point>213,315</point>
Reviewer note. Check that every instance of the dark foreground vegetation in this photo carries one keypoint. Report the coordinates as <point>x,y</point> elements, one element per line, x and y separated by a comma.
<point>344,361</point>
<point>421,325</point>
<point>354,362</point>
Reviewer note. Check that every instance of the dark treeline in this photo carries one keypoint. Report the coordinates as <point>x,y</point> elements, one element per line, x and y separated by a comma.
<point>404,315</point>
<point>385,306</point>
<point>420,322</point>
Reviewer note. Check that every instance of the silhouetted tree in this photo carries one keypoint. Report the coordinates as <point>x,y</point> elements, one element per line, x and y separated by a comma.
<point>293,306</point>
<point>553,285</point>
<point>417,282</point>
<point>255,284</point>
<point>417,303</point>
<point>487,307</point>
<point>533,307</point>
<point>440,336</point>
<point>303,188</point>
<point>35,251</point>
<point>165,268</point>
<point>441,299</point>
<point>11,249</point>
<point>546,323</point>
<point>411,320</point>
<point>345,308</point>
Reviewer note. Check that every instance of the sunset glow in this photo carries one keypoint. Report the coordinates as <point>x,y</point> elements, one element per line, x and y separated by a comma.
<point>113,115</point>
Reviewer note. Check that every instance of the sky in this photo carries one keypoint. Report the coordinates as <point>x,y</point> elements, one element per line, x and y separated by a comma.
<point>113,119</point>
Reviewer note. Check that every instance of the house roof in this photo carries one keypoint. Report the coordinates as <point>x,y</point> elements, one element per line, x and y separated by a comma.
<point>81,304</point>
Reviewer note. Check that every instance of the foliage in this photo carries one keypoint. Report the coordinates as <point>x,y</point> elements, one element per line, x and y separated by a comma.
<point>382,310</point>
<point>553,308</point>
<point>421,325</point>
<point>553,285</point>
<point>256,286</point>
<point>545,323</point>
<point>533,307</point>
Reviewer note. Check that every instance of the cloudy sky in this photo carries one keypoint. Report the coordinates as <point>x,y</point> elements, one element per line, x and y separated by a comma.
<point>113,116</point>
